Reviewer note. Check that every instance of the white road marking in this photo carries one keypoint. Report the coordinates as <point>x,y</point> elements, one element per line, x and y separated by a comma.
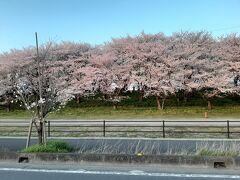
<point>129,173</point>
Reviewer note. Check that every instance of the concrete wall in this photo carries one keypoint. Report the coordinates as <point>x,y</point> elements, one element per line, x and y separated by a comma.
<point>182,160</point>
<point>130,145</point>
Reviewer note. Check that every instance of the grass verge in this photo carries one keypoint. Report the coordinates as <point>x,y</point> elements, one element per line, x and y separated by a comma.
<point>54,146</point>
<point>129,112</point>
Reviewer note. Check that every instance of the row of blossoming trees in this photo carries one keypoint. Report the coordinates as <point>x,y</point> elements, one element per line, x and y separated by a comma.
<point>155,65</point>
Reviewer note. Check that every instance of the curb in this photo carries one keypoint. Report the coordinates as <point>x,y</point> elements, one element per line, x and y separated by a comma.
<point>123,158</point>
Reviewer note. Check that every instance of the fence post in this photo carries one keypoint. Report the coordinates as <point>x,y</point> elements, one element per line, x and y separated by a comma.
<point>163,129</point>
<point>104,128</point>
<point>228,129</point>
<point>49,129</point>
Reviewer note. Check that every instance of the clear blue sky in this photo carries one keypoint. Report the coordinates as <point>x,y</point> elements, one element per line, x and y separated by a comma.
<point>97,21</point>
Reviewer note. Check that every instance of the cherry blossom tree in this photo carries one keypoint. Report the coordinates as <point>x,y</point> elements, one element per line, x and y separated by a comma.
<point>113,81</point>
<point>197,63</point>
<point>154,64</point>
<point>7,63</point>
<point>229,51</point>
<point>6,87</point>
<point>143,61</point>
<point>41,86</point>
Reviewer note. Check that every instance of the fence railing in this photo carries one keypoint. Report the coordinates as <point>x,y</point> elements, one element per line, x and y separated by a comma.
<point>129,128</point>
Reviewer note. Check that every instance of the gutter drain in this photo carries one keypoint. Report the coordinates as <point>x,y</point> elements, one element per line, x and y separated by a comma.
<point>219,165</point>
<point>23,160</point>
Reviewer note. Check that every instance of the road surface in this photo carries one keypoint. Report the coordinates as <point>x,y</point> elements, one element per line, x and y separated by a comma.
<point>109,171</point>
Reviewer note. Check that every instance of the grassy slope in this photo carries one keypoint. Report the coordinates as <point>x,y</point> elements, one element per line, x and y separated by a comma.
<point>131,112</point>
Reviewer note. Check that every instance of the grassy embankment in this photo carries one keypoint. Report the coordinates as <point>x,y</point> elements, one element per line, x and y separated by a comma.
<point>136,108</point>
<point>128,112</point>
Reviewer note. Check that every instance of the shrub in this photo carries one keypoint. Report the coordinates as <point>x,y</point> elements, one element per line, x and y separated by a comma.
<point>53,146</point>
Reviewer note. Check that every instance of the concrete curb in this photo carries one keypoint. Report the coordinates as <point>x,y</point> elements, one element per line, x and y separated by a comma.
<point>122,158</point>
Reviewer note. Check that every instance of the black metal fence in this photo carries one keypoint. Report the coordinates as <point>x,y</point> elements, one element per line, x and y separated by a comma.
<point>129,128</point>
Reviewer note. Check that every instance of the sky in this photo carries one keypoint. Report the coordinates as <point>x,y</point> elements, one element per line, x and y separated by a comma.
<point>97,21</point>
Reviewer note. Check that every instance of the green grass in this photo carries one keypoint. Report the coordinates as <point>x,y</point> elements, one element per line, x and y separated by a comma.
<point>54,146</point>
<point>129,112</point>
<point>14,114</point>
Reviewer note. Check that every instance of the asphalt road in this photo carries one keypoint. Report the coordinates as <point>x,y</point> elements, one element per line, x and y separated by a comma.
<point>111,172</point>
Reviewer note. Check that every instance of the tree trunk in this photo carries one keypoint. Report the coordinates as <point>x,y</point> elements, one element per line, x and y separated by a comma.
<point>185,98</point>
<point>209,105</point>
<point>163,103</point>
<point>105,96</point>
<point>140,96</point>
<point>8,107</point>
<point>158,103</point>
<point>114,106</point>
<point>6,103</point>
<point>78,99</point>
<point>39,126</point>
<point>178,101</point>
<point>40,133</point>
